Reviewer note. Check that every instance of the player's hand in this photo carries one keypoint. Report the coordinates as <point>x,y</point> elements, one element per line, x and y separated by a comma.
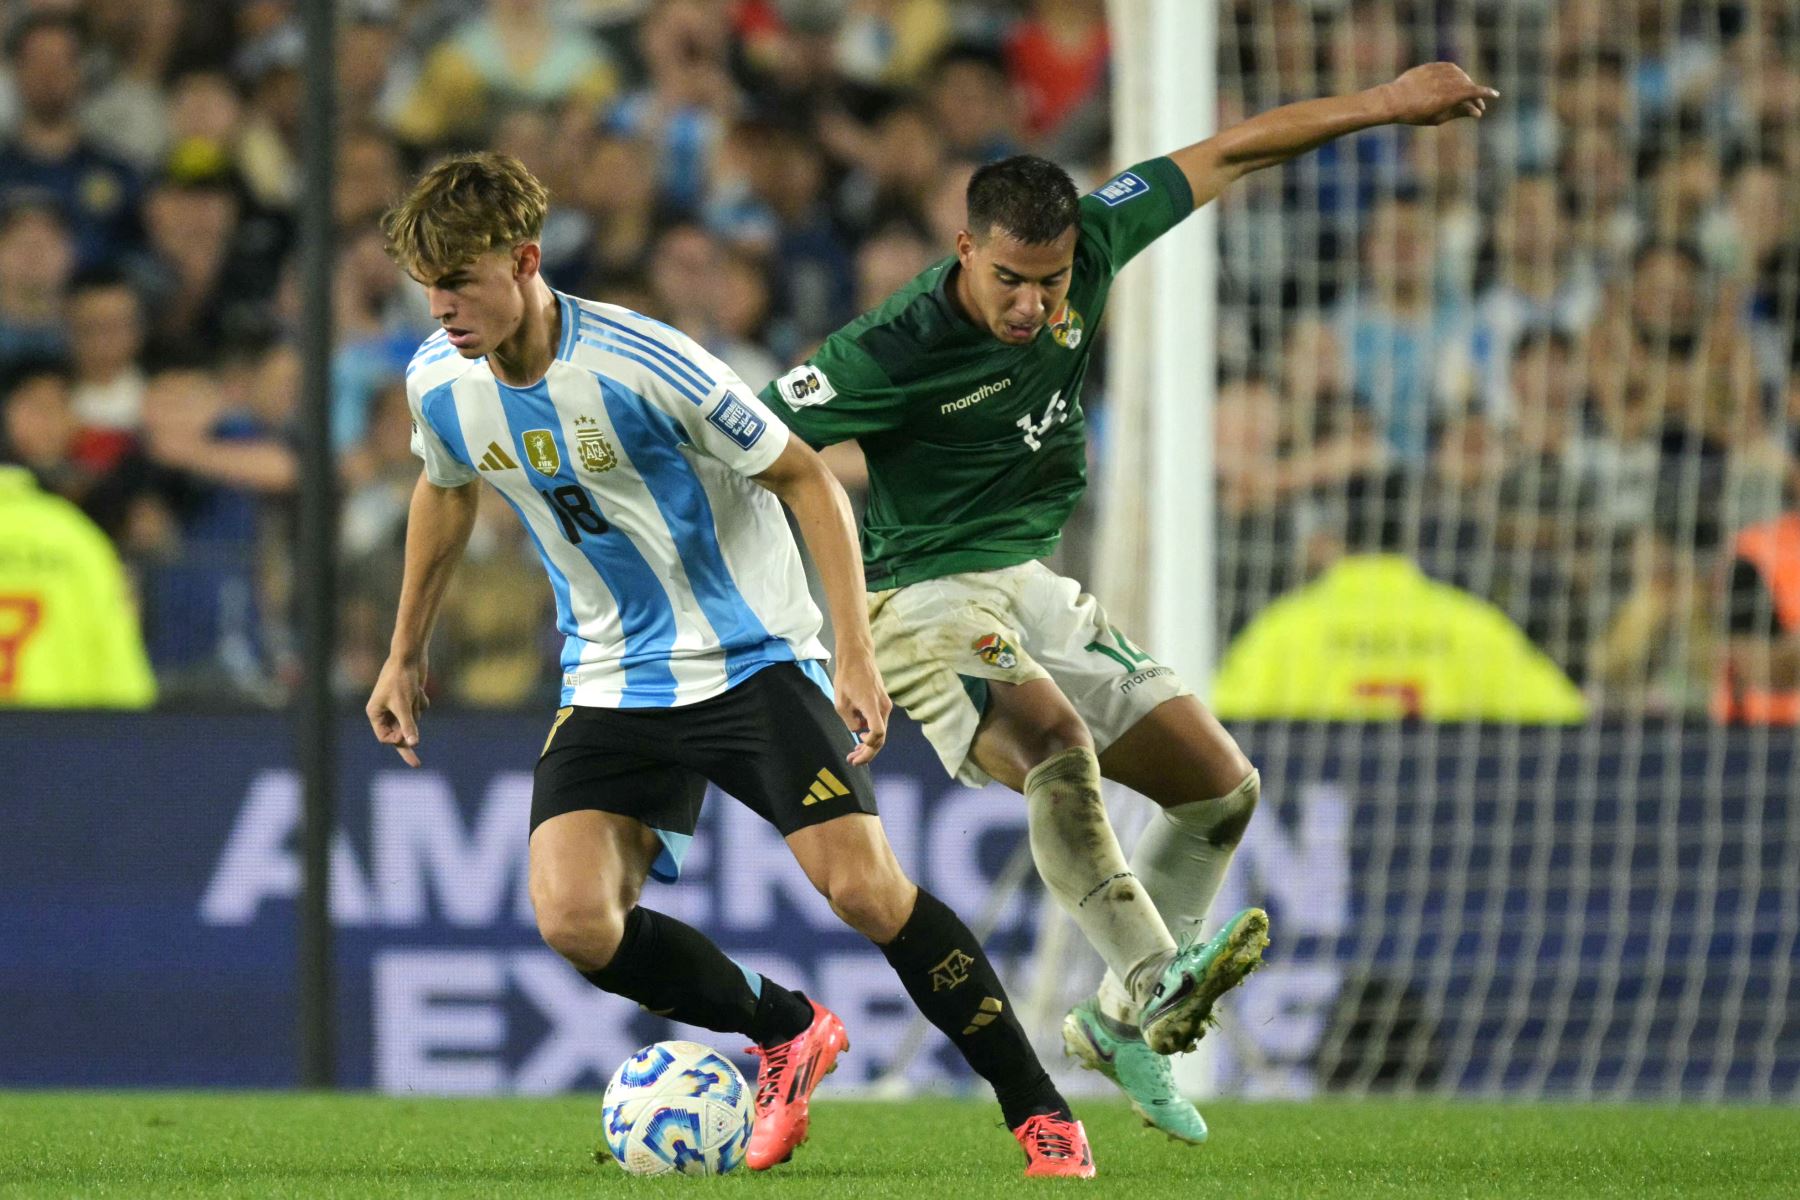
<point>863,703</point>
<point>394,708</point>
<point>1435,93</point>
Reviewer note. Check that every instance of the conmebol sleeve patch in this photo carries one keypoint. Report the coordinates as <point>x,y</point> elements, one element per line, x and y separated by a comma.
<point>1128,186</point>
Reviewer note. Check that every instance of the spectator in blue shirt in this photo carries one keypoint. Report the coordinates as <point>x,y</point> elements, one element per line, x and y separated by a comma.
<point>36,259</point>
<point>688,97</point>
<point>1406,341</point>
<point>49,156</point>
<point>225,467</point>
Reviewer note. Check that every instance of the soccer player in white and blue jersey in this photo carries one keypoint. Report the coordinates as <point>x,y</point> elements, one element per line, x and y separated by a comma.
<point>652,481</point>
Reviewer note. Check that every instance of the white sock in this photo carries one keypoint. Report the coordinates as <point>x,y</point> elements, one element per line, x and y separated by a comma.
<point>1078,855</point>
<point>1182,858</point>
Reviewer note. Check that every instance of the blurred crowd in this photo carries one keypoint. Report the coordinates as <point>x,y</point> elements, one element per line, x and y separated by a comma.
<point>1551,355</point>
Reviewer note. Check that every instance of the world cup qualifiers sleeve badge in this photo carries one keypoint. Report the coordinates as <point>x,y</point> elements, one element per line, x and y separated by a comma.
<point>994,650</point>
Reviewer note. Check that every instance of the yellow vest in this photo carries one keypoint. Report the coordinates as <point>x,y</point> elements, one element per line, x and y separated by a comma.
<point>1375,639</point>
<point>68,628</point>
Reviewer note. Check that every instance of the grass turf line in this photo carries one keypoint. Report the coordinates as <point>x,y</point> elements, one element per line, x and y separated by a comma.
<point>300,1145</point>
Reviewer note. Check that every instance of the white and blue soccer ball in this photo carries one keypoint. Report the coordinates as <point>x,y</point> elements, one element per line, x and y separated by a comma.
<point>677,1106</point>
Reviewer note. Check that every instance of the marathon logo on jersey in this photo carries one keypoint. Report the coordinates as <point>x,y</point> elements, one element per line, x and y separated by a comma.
<point>1128,186</point>
<point>995,651</point>
<point>737,421</point>
<point>541,452</point>
<point>977,396</point>
<point>592,448</point>
<point>805,386</point>
<point>1066,326</point>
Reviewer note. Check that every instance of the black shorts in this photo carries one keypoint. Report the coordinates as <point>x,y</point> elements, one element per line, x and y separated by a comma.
<point>774,742</point>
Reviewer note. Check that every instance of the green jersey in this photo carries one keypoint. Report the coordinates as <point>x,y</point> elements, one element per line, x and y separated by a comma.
<point>977,450</point>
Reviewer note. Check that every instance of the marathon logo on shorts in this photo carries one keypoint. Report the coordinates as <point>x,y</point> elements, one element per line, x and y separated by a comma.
<point>1144,676</point>
<point>1128,186</point>
<point>994,650</point>
<point>737,421</point>
<point>805,386</point>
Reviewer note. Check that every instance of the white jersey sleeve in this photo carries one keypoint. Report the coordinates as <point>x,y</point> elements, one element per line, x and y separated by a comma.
<point>719,413</point>
<point>737,428</point>
<point>442,467</point>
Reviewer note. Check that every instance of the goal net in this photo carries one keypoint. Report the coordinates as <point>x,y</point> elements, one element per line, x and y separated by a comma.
<point>1508,415</point>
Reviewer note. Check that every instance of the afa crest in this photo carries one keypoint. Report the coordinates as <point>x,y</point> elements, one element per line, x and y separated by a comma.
<point>541,452</point>
<point>1066,326</point>
<point>592,448</point>
<point>995,651</point>
<point>952,973</point>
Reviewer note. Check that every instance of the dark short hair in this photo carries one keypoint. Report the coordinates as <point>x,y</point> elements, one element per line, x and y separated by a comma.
<point>1030,198</point>
<point>1381,513</point>
<point>53,368</point>
<point>1406,192</point>
<point>1581,59</point>
<point>31,23</point>
<point>26,203</point>
<point>1543,337</point>
<point>1683,248</point>
<point>968,54</point>
<point>93,279</point>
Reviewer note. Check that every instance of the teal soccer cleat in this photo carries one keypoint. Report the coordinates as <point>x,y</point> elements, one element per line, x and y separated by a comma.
<point>1143,1075</point>
<point>1178,1011</point>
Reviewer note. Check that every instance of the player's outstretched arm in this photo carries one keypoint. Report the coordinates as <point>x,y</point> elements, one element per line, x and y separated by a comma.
<point>438,524</point>
<point>1427,95</point>
<point>805,484</point>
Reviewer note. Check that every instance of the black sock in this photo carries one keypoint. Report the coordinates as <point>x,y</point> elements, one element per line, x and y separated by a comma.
<point>675,971</point>
<point>948,975</point>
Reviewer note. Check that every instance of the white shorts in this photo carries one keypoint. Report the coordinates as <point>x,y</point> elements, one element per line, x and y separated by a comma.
<point>939,642</point>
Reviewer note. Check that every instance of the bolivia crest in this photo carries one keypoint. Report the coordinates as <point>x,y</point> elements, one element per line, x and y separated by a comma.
<point>995,651</point>
<point>1065,326</point>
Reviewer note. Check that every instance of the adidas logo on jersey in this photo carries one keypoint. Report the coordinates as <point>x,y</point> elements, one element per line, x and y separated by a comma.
<point>496,459</point>
<point>825,787</point>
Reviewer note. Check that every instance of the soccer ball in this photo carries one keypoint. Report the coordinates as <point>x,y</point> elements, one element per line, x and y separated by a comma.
<point>677,1106</point>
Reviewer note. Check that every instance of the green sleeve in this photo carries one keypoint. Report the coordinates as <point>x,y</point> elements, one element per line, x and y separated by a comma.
<point>1134,208</point>
<point>837,395</point>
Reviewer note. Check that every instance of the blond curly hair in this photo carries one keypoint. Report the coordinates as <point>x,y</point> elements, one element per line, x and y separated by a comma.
<point>462,208</point>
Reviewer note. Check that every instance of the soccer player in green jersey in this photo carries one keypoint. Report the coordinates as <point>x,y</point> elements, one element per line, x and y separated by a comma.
<point>964,392</point>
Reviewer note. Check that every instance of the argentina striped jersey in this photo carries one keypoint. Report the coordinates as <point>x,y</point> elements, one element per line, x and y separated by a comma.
<point>674,574</point>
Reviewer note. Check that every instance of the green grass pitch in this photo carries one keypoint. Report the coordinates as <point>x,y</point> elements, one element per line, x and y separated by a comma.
<point>272,1145</point>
